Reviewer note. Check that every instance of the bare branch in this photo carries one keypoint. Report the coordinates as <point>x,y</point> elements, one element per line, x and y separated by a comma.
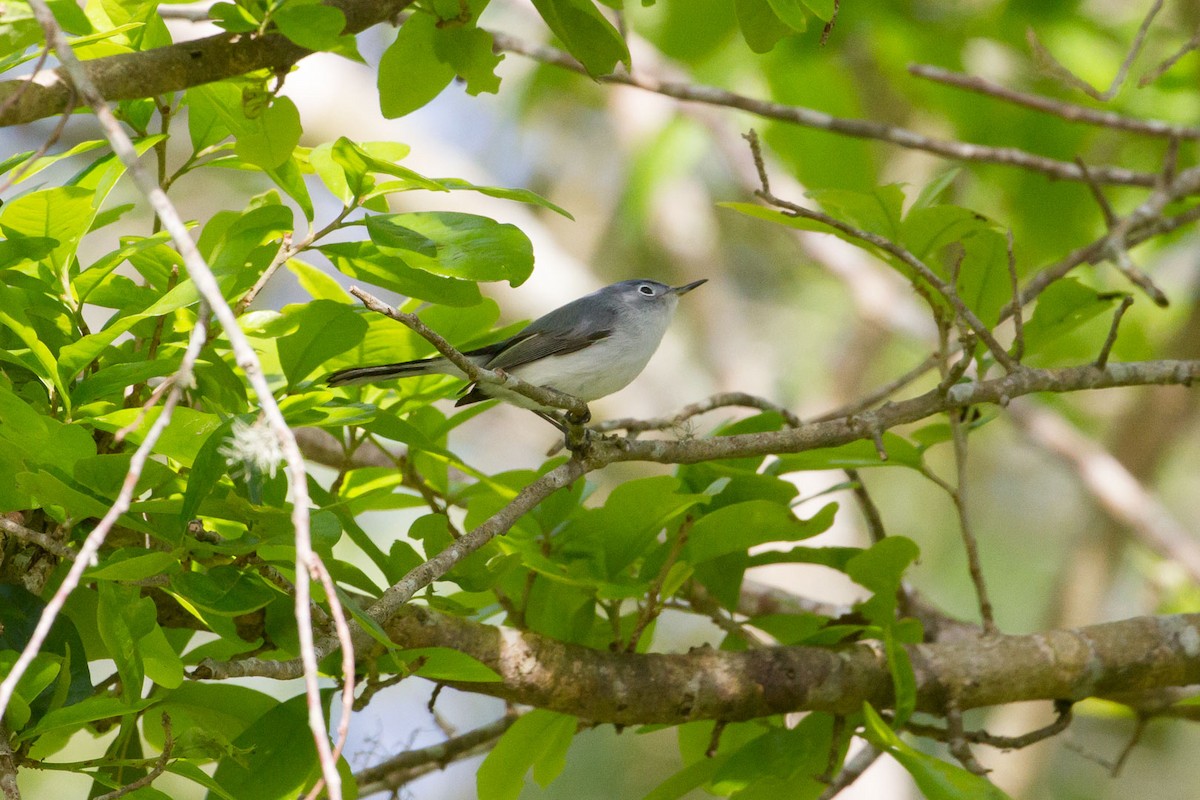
<point>1154,74</point>
<point>1111,339</point>
<point>163,70</point>
<point>1139,654</point>
<point>897,251</point>
<point>40,538</point>
<point>1062,109</point>
<point>159,766</point>
<point>1052,66</point>
<point>405,767</point>
<point>810,118</point>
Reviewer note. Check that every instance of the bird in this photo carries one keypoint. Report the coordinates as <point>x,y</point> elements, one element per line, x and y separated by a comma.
<point>589,348</point>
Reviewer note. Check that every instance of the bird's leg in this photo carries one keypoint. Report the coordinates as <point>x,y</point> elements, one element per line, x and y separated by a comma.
<point>553,418</point>
<point>571,426</point>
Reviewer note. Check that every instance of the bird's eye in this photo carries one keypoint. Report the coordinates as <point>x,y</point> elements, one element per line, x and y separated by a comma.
<point>646,289</point>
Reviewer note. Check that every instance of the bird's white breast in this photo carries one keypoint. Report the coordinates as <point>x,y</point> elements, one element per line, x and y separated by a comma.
<point>602,368</point>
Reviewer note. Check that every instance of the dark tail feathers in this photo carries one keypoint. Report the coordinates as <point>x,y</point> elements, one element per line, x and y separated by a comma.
<point>381,372</point>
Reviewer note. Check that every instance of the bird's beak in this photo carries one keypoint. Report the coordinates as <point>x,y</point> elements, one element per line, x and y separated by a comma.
<point>687,287</point>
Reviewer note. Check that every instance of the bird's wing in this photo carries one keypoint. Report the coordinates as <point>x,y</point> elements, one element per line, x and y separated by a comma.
<point>523,349</point>
<point>564,330</point>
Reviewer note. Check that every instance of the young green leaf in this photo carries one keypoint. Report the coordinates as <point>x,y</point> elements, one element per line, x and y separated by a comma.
<point>537,741</point>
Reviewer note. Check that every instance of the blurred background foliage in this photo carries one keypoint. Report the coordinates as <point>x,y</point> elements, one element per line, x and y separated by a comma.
<point>810,323</point>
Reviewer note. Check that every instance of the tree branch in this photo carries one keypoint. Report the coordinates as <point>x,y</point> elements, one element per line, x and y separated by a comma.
<point>1143,653</point>
<point>811,118</point>
<point>177,67</point>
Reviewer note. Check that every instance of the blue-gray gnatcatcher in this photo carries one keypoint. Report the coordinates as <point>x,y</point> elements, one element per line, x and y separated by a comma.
<point>589,348</point>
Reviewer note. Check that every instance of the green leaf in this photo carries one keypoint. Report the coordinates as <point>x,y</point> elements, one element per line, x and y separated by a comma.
<point>270,139</point>
<point>796,756</point>
<point>365,261</point>
<point>36,357</point>
<point>761,27</point>
<point>63,213</point>
<point>877,211</point>
<point>468,51</point>
<point>324,329</point>
<point>937,779</point>
<point>226,591</point>
<point>586,34</point>
<point>76,716</point>
<point>824,9</point>
<point>856,455</point>
<point>123,618</point>
<point>163,665</point>
<point>207,468</point>
<point>448,664</point>
<point>1064,306</point>
<point>455,245</point>
<point>311,25</point>
<point>520,195</point>
<point>282,757</point>
<point>357,164</point>
<point>182,438</point>
<point>738,527</point>
<point>538,741</point>
<point>791,13</point>
<point>881,568</point>
<point>932,191</point>
<point>221,709</point>
<point>693,776</point>
<point>133,564</point>
<point>410,73</point>
<point>984,283</point>
<point>614,536</point>
<point>927,230</point>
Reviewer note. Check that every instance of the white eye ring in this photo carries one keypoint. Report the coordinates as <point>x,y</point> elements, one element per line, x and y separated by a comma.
<point>646,289</point>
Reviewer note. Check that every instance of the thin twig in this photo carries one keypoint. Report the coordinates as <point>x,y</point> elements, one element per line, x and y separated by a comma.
<point>959,747</point>
<point>852,770</point>
<point>1053,67</point>
<point>870,511</point>
<point>1062,109</point>
<point>1062,720</point>
<point>1138,730</point>
<point>1111,339</point>
<point>1110,218</point>
<point>1018,345</point>
<point>633,425</point>
<point>40,538</point>
<point>827,31</point>
<point>966,528</point>
<point>159,766</point>
<point>882,393</point>
<point>1154,74</point>
<point>19,173</point>
<point>810,118</point>
<point>650,606</point>
<point>405,767</point>
<point>897,251</point>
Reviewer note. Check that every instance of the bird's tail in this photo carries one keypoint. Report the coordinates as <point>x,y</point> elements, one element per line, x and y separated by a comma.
<point>383,372</point>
